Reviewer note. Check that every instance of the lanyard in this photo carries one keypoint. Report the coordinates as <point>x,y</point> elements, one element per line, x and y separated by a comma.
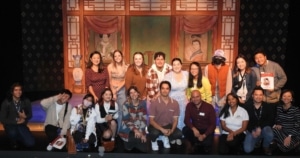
<point>260,111</point>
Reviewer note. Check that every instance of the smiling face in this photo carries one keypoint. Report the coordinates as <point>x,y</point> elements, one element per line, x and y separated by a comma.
<point>138,60</point>
<point>260,59</point>
<point>164,90</point>
<point>159,61</point>
<point>232,101</point>
<point>196,97</point>
<point>107,96</point>
<point>118,58</point>
<point>241,64</point>
<point>17,92</point>
<point>134,95</point>
<point>176,65</point>
<point>287,97</point>
<point>95,59</point>
<point>258,96</point>
<point>194,70</point>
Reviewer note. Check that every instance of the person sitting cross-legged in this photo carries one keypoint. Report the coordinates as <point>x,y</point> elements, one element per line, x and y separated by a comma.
<point>163,117</point>
<point>134,121</point>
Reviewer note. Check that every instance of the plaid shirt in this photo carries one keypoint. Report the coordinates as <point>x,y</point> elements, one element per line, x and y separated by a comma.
<point>153,82</point>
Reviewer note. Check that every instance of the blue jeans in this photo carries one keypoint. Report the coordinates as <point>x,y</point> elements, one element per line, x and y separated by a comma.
<point>20,132</point>
<point>121,98</point>
<point>266,136</point>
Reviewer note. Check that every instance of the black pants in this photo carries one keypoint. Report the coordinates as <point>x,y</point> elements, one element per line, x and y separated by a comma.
<point>52,132</point>
<point>231,147</point>
<point>135,143</point>
<point>206,144</point>
<point>79,136</point>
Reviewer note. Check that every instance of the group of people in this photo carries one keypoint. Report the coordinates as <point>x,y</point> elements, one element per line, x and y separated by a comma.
<point>163,102</point>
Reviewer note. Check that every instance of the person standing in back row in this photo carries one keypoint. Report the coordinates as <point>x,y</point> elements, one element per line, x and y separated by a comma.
<point>243,78</point>
<point>96,75</point>
<point>272,71</point>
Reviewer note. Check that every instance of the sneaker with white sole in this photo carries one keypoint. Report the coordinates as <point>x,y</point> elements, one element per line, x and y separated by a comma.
<point>173,141</point>
<point>166,142</point>
<point>178,142</point>
<point>49,147</point>
<point>154,145</point>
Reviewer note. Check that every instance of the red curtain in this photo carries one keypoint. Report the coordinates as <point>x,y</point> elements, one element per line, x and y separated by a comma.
<point>103,25</point>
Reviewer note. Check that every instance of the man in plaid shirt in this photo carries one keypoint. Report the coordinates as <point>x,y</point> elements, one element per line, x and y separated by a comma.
<point>156,74</point>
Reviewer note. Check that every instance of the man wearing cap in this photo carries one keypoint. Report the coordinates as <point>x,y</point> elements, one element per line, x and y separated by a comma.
<point>220,77</point>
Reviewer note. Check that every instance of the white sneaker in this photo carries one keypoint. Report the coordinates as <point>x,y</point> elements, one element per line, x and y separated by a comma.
<point>101,150</point>
<point>173,141</point>
<point>154,145</point>
<point>166,142</point>
<point>49,147</point>
<point>178,142</point>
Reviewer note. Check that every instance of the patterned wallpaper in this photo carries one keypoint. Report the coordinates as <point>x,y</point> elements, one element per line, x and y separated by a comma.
<point>263,23</point>
<point>42,45</point>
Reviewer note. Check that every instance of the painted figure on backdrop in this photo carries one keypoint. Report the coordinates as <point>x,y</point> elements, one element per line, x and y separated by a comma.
<point>83,121</point>
<point>58,111</point>
<point>200,121</point>
<point>244,79</point>
<point>287,123</point>
<point>105,47</point>
<point>197,81</point>
<point>15,113</point>
<point>133,131</point>
<point>116,71</point>
<point>193,52</point>
<point>96,75</point>
<point>163,118</point>
<point>234,121</point>
<point>136,75</point>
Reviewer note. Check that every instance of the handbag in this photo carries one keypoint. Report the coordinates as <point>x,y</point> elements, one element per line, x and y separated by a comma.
<point>71,146</point>
<point>108,145</point>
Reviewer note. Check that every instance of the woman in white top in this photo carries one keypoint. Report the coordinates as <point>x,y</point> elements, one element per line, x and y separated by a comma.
<point>107,114</point>
<point>83,120</point>
<point>234,121</point>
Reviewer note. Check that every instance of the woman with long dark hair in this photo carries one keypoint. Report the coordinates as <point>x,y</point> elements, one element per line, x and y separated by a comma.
<point>234,121</point>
